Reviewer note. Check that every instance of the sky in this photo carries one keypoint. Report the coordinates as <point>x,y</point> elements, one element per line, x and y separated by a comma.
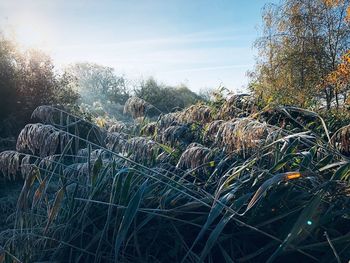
<point>200,43</point>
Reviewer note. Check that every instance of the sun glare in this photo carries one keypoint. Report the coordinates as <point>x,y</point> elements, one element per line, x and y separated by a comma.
<point>31,32</point>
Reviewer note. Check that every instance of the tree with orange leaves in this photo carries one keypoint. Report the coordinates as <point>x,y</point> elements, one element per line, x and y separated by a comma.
<point>302,43</point>
<point>340,77</point>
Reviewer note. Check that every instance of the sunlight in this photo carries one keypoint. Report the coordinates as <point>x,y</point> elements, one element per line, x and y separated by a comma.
<point>174,131</point>
<point>31,32</point>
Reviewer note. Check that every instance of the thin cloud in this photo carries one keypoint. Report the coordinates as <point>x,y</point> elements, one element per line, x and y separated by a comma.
<point>158,38</point>
<point>209,68</point>
<point>199,37</point>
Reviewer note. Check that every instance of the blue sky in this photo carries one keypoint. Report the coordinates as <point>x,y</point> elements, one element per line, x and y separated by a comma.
<point>201,43</point>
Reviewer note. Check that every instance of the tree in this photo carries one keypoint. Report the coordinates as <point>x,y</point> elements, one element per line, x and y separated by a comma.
<point>7,78</point>
<point>101,91</point>
<point>165,98</point>
<point>302,43</point>
<point>206,93</point>
<point>37,83</point>
<point>95,82</point>
<point>27,80</point>
<point>340,77</point>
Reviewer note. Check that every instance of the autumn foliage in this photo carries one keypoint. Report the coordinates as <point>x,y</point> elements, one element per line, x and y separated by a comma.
<point>303,54</point>
<point>340,78</point>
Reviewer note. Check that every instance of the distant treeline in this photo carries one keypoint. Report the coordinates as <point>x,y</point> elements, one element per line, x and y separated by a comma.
<point>29,79</point>
<point>304,61</point>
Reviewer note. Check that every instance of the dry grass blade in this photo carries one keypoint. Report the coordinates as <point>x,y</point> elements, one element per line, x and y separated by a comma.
<point>39,192</point>
<point>55,208</point>
<point>23,199</point>
<point>3,254</point>
<point>332,247</point>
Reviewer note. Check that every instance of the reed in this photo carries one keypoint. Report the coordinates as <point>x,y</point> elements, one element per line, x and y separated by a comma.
<point>198,185</point>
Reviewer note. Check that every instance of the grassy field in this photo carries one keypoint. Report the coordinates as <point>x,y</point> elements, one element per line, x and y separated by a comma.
<point>227,181</point>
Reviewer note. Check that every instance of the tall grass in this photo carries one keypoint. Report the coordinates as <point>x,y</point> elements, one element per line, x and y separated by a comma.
<point>232,183</point>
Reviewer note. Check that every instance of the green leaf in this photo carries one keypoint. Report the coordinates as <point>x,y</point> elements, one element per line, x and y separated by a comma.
<point>214,235</point>
<point>129,216</point>
<point>302,227</point>
<point>342,173</point>
<point>307,160</point>
<point>281,163</point>
<point>325,161</point>
<point>215,211</point>
<point>96,170</point>
<point>166,148</point>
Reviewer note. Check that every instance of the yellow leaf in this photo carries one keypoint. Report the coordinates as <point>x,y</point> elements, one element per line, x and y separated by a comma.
<point>293,175</point>
<point>39,191</point>
<point>55,208</point>
<point>347,18</point>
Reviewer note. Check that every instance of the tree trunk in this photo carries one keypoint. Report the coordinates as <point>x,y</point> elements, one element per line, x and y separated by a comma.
<point>337,99</point>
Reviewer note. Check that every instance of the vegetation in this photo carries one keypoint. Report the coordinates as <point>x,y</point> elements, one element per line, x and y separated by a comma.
<point>302,44</point>
<point>165,98</point>
<point>107,171</point>
<point>199,184</point>
<point>101,91</point>
<point>27,80</point>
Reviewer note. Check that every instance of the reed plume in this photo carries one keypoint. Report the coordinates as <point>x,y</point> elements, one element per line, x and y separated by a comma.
<point>195,156</point>
<point>118,126</point>
<point>149,129</point>
<point>44,139</point>
<point>169,119</point>
<point>341,140</point>
<point>116,141</point>
<point>142,150</point>
<point>10,164</point>
<point>242,135</point>
<point>136,107</point>
<point>196,113</point>
<point>44,113</point>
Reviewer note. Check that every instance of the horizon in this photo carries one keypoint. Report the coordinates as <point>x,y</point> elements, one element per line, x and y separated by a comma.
<point>201,44</point>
